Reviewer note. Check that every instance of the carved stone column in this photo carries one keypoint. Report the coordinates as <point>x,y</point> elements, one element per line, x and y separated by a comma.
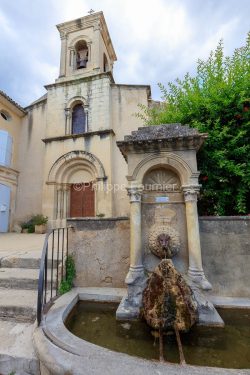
<point>195,270</point>
<point>86,109</point>
<point>66,189</point>
<point>59,200</point>
<point>72,58</point>
<point>63,55</point>
<point>95,53</point>
<point>89,54</point>
<point>67,121</point>
<point>136,277</point>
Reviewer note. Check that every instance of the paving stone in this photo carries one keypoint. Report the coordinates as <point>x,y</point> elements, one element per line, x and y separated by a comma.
<point>17,354</point>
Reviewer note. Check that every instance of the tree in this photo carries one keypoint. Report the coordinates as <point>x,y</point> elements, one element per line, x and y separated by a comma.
<point>217,102</point>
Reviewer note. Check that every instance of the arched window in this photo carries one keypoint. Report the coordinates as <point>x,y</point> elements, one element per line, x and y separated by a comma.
<point>105,63</point>
<point>82,54</point>
<point>78,119</point>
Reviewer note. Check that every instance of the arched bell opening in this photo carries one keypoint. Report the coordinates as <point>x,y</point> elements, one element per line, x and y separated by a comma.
<point>81,54</point>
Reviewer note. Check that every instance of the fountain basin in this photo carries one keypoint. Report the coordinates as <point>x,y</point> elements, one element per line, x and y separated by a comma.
<point>62,352</point>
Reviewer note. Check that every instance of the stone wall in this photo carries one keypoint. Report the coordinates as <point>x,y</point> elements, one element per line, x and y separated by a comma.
<point>101,251</point>
<point>225,243</point>
<point>31,163</point>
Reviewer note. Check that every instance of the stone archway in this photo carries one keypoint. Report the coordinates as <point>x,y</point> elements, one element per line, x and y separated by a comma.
<point>63,164</point>
<point>72,177</point>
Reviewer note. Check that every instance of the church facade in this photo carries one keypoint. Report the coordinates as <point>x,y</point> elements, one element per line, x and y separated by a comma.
<point>59,155</point>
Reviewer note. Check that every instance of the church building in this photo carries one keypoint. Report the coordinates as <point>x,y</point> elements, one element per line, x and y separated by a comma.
<point>58,156</point>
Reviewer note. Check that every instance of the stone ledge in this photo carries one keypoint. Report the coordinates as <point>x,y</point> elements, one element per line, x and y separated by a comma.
<point>230,302</point>
<point>82,135</point>
<point>17,353</point>
<point>95,223</point>
<point>98,218</point>
<point>224,218</point>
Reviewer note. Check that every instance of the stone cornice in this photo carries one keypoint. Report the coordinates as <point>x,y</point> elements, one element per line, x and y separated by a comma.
<point>83,135</point>
<point>152,146</point>
<point>166,137</point>
<point>76,79</point>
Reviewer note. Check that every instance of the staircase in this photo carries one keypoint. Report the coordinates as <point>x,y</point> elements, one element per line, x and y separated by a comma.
<point>19,270</point>
<point>18,292</point>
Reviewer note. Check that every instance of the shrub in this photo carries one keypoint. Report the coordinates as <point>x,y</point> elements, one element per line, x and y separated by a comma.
<point>39,219</point>
<point>67,284</point>
<point>217,102</point>
<point>35,220</point>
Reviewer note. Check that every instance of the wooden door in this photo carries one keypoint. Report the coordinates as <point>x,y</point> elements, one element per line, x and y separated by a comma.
<point>82,200</point>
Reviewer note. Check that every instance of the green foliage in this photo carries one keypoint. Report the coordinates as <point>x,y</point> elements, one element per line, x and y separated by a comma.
<point>39,219</point>
<point>100,215</point>
<point>216,101</point>
<point>67,284</point>
<point>28,225</point>
<point>35,220</point>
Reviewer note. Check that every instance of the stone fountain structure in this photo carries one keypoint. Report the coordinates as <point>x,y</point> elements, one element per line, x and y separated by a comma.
<point>163,188</point>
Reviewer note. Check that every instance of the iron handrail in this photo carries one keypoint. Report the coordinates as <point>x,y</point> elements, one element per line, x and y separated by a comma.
<point>58,256</point>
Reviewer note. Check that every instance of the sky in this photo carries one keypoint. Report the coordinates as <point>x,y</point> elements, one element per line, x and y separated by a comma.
<point>155,40</point>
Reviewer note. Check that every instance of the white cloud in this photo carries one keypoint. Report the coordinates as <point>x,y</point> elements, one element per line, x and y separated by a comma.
<point>5,27</point>
<point>154,40</point>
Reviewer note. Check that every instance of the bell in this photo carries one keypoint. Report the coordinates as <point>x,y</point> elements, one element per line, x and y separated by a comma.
<point>82,63</point>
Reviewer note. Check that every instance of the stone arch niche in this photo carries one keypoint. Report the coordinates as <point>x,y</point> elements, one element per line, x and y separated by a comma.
<point>74,168</point>
<point>163,188</point>
<point>163,209</point>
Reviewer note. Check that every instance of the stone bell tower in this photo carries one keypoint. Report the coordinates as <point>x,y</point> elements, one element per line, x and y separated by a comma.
<point>86,47</point>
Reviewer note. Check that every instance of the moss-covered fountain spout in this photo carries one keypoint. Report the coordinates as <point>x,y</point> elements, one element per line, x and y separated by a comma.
<point>168,302</point>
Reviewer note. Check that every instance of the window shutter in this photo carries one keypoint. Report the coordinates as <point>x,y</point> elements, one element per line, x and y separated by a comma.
<point>2,147</point>
<point>5,148</point>
<point>8,151</point>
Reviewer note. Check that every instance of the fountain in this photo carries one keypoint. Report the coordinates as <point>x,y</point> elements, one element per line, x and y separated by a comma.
<point>163,188</point>
<point>167,289</point>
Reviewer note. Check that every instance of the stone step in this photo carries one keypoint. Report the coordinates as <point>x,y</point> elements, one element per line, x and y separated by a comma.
<point>18,304</point>
<point>21,278</point>
<point>17,354</point>
<point>23,262</point>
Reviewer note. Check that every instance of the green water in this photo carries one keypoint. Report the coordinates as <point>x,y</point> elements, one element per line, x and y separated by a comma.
<point>221,347</point>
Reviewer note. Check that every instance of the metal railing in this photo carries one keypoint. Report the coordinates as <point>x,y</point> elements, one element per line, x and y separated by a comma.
<point>52,268</point>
